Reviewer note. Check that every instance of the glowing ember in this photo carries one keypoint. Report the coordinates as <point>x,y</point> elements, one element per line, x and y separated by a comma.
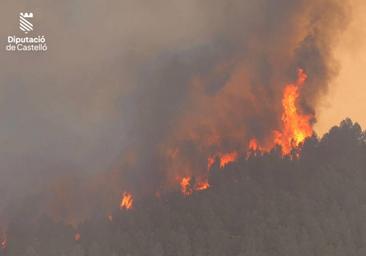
<point>185,186</point>
<point>296,127</point>
<point>77,236</point>
<point>127,201</point>
<point>202,186</point>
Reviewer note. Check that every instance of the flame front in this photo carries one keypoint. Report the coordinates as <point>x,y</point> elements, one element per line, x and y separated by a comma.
<point>294,127</point>
<point>228,158</point>
<point>127,201</point>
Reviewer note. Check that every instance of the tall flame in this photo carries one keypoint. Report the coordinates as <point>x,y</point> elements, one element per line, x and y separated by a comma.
<point>127,201</point>
<point>296,127</point>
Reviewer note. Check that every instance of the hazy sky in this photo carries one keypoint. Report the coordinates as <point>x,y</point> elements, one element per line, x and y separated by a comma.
<point>347,94</point>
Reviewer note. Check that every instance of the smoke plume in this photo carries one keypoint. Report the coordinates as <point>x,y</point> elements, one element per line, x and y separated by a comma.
<point>132,95</point>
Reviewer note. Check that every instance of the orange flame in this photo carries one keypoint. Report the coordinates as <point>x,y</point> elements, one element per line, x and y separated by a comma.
<point>203,185</point>
<point>296,127</point>
<point>253,145</point>
<point>225,159</point>
<point>228,158</point>
<point>185,186</point>
<point>127,201</point>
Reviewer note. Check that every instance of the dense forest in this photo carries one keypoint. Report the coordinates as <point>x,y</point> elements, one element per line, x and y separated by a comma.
<point>266,204</point>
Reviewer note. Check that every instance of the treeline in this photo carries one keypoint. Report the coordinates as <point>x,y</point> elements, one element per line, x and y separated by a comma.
<point>265,205</point>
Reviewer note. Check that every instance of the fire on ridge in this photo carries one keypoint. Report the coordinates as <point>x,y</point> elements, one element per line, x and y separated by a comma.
<point>295,128</point>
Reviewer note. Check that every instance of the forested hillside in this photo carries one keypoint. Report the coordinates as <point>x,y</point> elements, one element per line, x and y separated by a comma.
<point>266,204</point>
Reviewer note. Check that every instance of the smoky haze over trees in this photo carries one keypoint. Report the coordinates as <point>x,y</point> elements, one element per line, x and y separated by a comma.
<point>132,95</point>
<point>125,83</point>
<point>264,205</point>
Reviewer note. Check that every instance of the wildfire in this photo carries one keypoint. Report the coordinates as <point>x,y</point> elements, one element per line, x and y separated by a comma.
<point>223,158</point>
<point>202,185</point>
<point>127,201</point>
<point>228,158</point>
<point>187,188</point>
<point>296,127</point>
<point>253,145</point>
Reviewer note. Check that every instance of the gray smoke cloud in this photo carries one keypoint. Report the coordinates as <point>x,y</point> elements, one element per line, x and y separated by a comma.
<point>125,84</point>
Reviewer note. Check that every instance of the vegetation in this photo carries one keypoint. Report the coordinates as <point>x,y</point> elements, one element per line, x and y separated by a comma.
<point>263,205</point>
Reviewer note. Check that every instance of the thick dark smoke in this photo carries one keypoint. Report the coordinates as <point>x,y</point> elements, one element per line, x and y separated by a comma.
<point>214,97</point>
<point>132,94</point>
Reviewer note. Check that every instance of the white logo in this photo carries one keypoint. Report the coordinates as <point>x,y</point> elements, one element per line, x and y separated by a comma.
<point>33,43</point>
<point>24,23</point>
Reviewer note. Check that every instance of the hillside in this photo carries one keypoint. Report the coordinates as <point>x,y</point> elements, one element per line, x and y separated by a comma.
<point>261,205</point>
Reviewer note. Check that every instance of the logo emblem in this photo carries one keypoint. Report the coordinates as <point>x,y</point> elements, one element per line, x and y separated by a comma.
<point>24,24</point>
